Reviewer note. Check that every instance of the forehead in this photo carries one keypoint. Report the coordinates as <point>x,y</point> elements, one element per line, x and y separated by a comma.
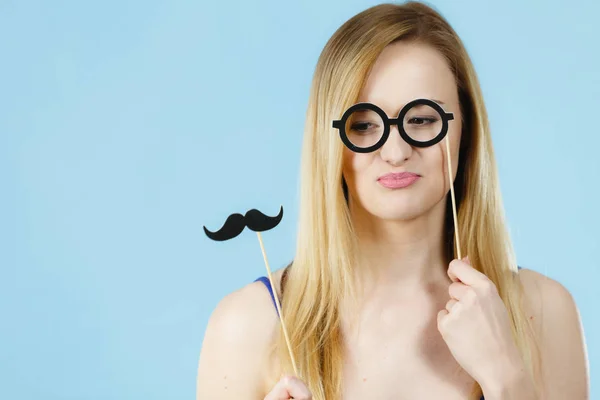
<point>405,71</point>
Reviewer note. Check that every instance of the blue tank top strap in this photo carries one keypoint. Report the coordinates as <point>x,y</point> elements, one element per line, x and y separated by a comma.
<point>267,282</point>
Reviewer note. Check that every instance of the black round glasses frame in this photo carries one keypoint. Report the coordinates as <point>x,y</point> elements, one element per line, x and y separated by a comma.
<point>387,122</point>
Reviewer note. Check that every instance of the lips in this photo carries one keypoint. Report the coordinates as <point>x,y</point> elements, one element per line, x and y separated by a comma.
<point>398,180</point>
<point>398,175</point>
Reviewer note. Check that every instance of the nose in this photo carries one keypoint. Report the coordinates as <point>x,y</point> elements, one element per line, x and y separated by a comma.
<point>395,150</point>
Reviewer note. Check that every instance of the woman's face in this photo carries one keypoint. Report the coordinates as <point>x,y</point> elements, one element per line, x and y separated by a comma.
<point>402,73</point>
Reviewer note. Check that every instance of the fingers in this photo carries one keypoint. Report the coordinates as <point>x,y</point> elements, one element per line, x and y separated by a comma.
<point>451,303</point>
<point>440,319</point>
<point>289,387</point>
<point>461,270</point>
<point>458,290</point>
<point>444,314</point>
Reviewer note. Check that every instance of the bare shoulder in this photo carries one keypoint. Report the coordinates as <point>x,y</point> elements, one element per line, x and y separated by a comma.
<point>549,301</point>
<point>538,283</point>
<point>560,335</point>
<point>542,291</point>
<point>236,348</point>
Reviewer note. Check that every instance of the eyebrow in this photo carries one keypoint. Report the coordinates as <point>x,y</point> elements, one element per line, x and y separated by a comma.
<point>438,101</point>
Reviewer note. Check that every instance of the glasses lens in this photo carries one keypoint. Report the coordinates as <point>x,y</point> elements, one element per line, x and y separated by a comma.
<point>364,128</point>
<point>422,123</point>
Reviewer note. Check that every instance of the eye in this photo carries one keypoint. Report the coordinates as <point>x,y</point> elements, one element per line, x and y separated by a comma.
<point>422,120</point>
<point>363,127</point>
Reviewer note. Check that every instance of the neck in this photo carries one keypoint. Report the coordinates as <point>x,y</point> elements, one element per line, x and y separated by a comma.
<point>401,254</point>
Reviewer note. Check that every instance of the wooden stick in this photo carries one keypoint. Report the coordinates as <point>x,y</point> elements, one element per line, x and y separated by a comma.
<point>278,305</point>
<point>453,199</point>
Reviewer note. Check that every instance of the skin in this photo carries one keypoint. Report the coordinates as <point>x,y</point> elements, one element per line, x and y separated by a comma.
<point>424,329</point>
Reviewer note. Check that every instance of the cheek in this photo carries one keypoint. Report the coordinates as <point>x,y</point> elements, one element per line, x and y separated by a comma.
<point>452,141</point>
<point>355,166</point>
<point>435,161</point>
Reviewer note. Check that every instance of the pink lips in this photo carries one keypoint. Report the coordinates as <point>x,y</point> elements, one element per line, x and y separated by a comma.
<point>398,180</point>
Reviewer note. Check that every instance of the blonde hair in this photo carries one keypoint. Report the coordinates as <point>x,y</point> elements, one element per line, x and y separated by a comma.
<point>321,274</point>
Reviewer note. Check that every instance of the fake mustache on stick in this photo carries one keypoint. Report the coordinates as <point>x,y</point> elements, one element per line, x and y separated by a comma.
<point>258,222</point>
<point>235,224</point>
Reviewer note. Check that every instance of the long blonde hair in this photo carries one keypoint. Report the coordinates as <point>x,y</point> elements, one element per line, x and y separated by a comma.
<point>321,274</point>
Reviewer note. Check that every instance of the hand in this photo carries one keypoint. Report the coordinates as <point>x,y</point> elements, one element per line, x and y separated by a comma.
<point>289,387</point>
<point>475,324</point>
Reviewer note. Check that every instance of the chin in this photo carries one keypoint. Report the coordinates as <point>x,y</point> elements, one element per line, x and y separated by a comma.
<point>397,214</point>
<point>396,210</point>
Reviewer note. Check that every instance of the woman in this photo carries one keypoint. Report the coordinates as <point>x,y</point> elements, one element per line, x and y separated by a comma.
<point>376,303</point>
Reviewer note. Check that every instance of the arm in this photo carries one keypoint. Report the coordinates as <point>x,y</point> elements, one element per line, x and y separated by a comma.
<point>234,354</point>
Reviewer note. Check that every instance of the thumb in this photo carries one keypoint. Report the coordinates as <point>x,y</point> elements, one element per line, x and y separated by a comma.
<point>289,387</point>
<point>296,388</point>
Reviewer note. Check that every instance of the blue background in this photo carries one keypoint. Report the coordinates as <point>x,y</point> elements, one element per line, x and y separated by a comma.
<point>127,125</point>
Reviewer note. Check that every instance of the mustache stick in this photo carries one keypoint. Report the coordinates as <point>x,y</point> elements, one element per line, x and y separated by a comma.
<point>453,199</point>
<point>277,303</point>
<point>258,222</point>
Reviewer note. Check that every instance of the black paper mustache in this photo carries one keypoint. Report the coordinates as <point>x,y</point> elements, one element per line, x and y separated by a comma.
<point>235,224</point>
